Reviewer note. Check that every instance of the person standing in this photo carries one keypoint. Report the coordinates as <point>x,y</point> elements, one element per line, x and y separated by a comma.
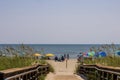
<point>62,58</point>
<point>67,56</point>
<point>81,58</point>
<point>56,58</point>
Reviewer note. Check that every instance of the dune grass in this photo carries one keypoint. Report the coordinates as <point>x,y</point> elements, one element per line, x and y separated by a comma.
<point>111,60</point>
<point>17,62</point>
<point>106,61</point>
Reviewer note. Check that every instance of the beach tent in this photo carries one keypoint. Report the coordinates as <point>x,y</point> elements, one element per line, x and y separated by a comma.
<point>102,54</point>
<point>117,52</point>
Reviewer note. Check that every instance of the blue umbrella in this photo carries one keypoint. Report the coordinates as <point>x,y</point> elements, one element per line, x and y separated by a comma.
<point>118,52</point>
<point>102,54</point>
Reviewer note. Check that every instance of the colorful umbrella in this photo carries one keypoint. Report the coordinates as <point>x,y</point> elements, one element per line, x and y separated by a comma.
<point>91,53</point>
<point>85,54</point>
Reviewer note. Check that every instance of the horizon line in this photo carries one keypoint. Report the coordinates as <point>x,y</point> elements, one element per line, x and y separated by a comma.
<point>56,44</point>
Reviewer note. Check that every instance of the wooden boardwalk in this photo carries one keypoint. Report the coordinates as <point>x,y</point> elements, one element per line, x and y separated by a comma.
<point>66,77</point>
<point>62,72</point>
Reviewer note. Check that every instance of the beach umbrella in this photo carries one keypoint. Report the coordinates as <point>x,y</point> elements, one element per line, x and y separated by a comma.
<point>117,52</point>
<point>37,54</point>
<point>49,55</point>
<point>91,53</point>
<point>85,54</point>
<point>102,54</point>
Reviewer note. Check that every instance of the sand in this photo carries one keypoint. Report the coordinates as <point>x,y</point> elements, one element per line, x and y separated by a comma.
<point>63,72</point>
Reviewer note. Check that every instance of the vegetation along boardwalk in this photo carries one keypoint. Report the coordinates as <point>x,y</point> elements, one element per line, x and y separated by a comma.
<point>63,72</point>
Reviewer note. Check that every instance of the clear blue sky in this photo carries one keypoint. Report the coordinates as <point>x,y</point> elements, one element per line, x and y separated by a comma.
<point>60,21</point>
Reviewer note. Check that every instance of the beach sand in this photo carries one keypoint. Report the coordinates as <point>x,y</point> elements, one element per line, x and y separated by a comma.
<point>62,72</point>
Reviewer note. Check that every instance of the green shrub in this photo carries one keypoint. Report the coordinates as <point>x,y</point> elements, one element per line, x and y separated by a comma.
<point>77,69</point>
<point>17,62</point>
<point>42,77</point>
<point>51,69</point>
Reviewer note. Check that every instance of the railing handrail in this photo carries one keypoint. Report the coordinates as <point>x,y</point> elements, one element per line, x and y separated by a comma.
<point>100,72</point>
<point>15,72</point>
<point>110,68</point>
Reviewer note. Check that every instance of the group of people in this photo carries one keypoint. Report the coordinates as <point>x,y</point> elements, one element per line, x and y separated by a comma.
<point>61,58</point>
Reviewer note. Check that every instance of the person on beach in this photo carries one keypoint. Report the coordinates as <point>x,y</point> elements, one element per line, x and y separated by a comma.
<point>67,56</point>
<point>81,58</point>
<point>56,58</point>
<point>62,58</point>
<point>48,58</point>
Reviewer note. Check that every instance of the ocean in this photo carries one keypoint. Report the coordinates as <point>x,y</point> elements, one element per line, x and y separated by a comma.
<point>58,49</point>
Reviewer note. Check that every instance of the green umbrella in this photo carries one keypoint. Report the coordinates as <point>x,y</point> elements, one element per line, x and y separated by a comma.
<point>91,53</point>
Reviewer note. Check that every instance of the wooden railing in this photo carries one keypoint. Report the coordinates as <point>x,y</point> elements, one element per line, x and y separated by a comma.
<point>26,73</point>
<point>98,72</point>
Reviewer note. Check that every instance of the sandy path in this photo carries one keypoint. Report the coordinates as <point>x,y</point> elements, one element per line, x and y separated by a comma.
<point>62,72</point>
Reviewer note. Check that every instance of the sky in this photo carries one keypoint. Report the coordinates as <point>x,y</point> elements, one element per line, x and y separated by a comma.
<point>59,21</point>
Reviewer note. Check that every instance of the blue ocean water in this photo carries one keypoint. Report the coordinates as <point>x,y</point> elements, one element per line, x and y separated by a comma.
<point>58,49</point>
